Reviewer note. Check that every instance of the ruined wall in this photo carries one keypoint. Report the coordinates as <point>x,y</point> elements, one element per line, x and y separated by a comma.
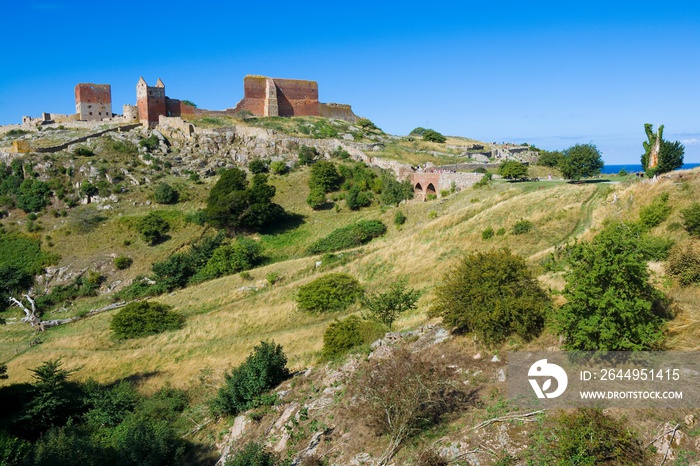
<point>173,127</point>
<point>337,111</point>
<point>93,102</point>
<point>297,98</point>
<point>253,95</point>
<point>176,108</point>
<point>130,112</point>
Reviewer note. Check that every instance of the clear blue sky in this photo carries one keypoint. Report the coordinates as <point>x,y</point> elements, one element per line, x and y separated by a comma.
<point>548,73</point>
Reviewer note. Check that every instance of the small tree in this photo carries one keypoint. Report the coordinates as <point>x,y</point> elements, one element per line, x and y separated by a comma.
<point>308,155</point>
<point>345,335</point>
<point>333,292</point>
<point>356,198</point>
<point>386,307</point>
<point>610,303</point>
<point>549,158</point>
<point>513,170</point>
<point>431,135</point>
<point>152,228</point>
<point>394,191</point>
<point>580,160</point>
<point>660,155</point>
<point>316,198</point>
<point>325,177</point>
<point>52,400</point>
<point>166,194</point>
<point>263,369</point>
<point>254,454</point>
<point>655,213</point>
<point>494,295</point>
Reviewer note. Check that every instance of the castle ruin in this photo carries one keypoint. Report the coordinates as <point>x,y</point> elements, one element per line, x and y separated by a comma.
<point>152,102</point>
<point>264,96</point>
<point>93,102</point>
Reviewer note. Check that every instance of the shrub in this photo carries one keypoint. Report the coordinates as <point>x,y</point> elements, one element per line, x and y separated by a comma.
<point>83,152</point>
<point>622,172</point>
<point>487,233</point>
<point>345,335</point>
<point>654,248</point>
<point>402,395</point>
<point>241,255</point>
<point>325,177</point>
<point>417,131</point>
<point>330,293</point>
<point>549,158</point>
<point>684,263</point>
<point>123,262</point>
<point>253,454</point>
<point>611,305</point>
<point>484,181</point>
<point>521,227</point>
<point>399,218</point>
<point>655,213</point>
<point>340,153</point>
<point>348,237</point>
<point>120,147</point>
<point>166,194</point>
<point>433,136</point>
<point>143,318</point>
<point>580,161</point>
<point>33,195</point>
<point>258,166</point>
<point>272,277</point>
<point>317,198</point>
<point>494,295</point>
<point>279,168</point>
<point>357,199</point>
<point>394,191</point>
<point>691,219</point>
<point>307,155</point>
<point>386,307</point>
<point>501,231</point>
<point>152,228</point>
<point>263,369</point>
<point>150,143</point>
<point>585,437</point>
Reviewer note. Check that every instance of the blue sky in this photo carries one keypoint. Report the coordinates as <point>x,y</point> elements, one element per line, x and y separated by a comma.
<point>548,73</point>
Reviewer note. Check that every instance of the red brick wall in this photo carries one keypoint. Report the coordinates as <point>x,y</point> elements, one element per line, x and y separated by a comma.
<point>253,95</point>
<point>175,107</point>
<point>297,97</point>
<point>150,108</point>
<point>93,93</point>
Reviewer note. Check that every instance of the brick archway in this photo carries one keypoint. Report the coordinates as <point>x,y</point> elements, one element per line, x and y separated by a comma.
<point>418,189</point>
<point>430,189</point>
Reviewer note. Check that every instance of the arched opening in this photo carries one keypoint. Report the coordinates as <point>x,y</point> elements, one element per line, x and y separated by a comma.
<point>430,190</point>
<point>418,189</point>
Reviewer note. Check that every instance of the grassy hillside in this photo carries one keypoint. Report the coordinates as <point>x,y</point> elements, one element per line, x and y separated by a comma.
<point>228,316</point>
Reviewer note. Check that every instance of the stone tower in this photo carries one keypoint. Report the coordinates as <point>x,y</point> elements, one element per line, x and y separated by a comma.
<point>150,102</point>
<point>93,102</point>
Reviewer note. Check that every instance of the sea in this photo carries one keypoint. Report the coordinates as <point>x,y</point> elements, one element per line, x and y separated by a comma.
<point>636,167</point>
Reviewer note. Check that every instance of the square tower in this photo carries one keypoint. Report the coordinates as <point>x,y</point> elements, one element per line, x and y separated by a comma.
<point>150,102</point>
<point>93,102</point>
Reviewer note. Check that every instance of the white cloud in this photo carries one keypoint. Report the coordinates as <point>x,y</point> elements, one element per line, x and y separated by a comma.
<point>691,141</point>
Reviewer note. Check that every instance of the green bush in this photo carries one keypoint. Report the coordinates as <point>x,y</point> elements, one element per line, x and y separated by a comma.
<point>120,147</point>
<point>586,437</point>
<point>387,306</point>
<point>325,177</point>
<point>254,454</point>
<point>417,131</point>
<point>166,194</point>
<point>152,228</point>
<point>356,199</point>
<point>340,153</point>
<point>307,155</point>
<point>484,181</point>
<point>501,231</point>
<point>330,293</point>
<point>263,369</point>
<point>348,237</point>
<point>521,227</point>
<point>182,267</point>
<point>229,259</point>
<point>433,136</point>
<point>655,248</point>
<point>150,143</point>
<point>494,295</point>
<point>317,199</point>
<point>399,218</point>
<point>487,233</point>
<point>611,305</point>
<point>655,213</point>
<point>549,158</point>
<point>123,262</point>
<point>143,318</point>
<point>691,219</point>
<point>343,336</point>
<point>83,152</point>
<point>258,166</point>
<point>684,263</point>
<point>33,195</point>
<point>394,191</point>
<point>279,168</point>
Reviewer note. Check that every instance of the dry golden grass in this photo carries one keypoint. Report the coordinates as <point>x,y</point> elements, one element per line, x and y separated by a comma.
<point>225,321</point>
